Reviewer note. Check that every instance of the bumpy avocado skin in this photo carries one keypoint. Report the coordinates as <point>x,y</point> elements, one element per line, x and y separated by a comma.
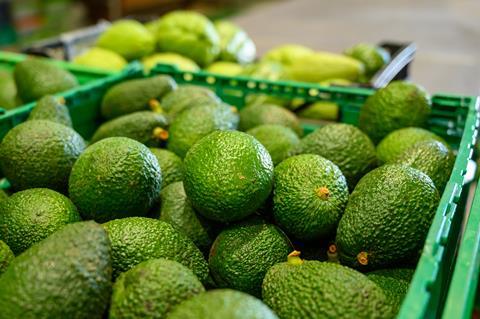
<point>114,178</point>
<point>40,154</point>
<point>315,289</point>
<point>32,215</point>
<point>343,144</point>
<point>398,105</point>
<point>432,158</point>
<point>242,254</point>
<point>309,196</point>
<point>170,164</point>
<point>51,109</point>
<point>255,115</point>
<point>176,209</point>
<point>387,217</point>
<point>139,126</point>
<point>135,95</point>
<point>221,304</point>
<point>228,175</point>
<point>152,289</point>
<point>187,97</point>
<point>397,142</point>
<point>67,275</point>
<point>6,256</point>
<point>394,283</point>
<point>277,139</point>
<point>194,123</point>
<point>136,239</point>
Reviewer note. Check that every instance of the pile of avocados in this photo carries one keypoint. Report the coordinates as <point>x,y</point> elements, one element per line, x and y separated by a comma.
<point>181,206</point>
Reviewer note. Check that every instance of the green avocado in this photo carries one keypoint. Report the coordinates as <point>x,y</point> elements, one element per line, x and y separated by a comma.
<point>53,109</point>
<point>397,142</point>
<point>136,95</point>
<point>387,217</point>
<point>343,144</point>
<point>40,154</point>
<point>8,91</point>
<point>170,164</point>
<point>67,275</point>
<point>222,304</point>
<point>35,78</point>
<point>6,256</point>
<point>193,124</point>
<point>136,239</point>
<point>255,115</point>
<point>432,158</point>
<point>146,127</point>
<point>152,289</point>
<point>186,97</point>
<point>394,283</point>
<point>242,254</point>
<point>313,289</point>
<point>373,57</point>
<point>309,196</point>
<point>114,178</point>
<point>177,210</point>
<point>277,139</point>
<point>228,175</point>
<point>398,105</point>
<point>32,215</point>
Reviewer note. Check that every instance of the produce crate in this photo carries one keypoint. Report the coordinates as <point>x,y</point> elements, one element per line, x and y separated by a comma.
<point>455,118</point>
<point>83,74</point>
<point>463,288</point>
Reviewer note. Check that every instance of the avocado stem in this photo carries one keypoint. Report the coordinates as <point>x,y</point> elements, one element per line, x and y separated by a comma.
<point>160,134</point>
<point>155,106</point>
<point>362,258</point>
<point>332,248</point>
<point>323,192</point>
<point>61,100</point>
<point>294,258</point>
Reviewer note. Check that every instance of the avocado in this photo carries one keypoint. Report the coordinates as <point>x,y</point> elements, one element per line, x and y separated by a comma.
<point>221,304</point>
<point>67,275</point>
<point>135,95</point>
<point>40,154</point>
<point>309,196</point>
<point>170,164</point>
<point>6,256</point>
<point>8,91</point>
<point>195,123</point>
<point>114,178</point>
<point>255,115</point>
<point>398,105</point>
<point>53,109</point>
<point>146,127</point>
<point>29,216</point>
<point>320,110</point>
<point>313,289</point>
<point>186,97</point>
<point>387,217</point>
<point>373,57</point>
<point>242,254</point>
<point>177,210</point>
<point>228,175</point>
<point>152,289</point>
<point>394,283</point>
<point>136,239</point>
<point>343,144</point>
<point>3,195</point>
<point>397,142</point>
<point>35,78</point>
<point>432,158</point>
<point>277,139</point>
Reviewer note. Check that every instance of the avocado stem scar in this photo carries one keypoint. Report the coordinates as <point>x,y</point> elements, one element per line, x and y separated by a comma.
<point>294,258</point>
<point>362,258</point>
<point>160,134</point>
<point>155,106</point>
<point>323,192</point>
<point>332,249</point>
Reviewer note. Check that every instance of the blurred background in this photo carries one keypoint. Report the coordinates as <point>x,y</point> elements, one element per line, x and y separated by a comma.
<point>446,32</point>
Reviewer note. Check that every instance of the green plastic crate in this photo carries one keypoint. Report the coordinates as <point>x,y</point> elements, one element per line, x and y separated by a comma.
<point>83,74</point>
<point>463,287</point>
<point>453,117</point>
